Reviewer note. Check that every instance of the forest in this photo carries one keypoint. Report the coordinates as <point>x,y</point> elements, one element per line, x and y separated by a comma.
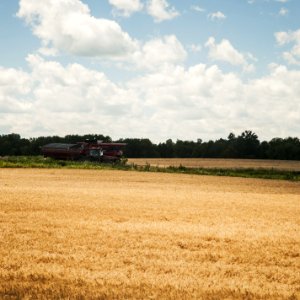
<point>246,145</point>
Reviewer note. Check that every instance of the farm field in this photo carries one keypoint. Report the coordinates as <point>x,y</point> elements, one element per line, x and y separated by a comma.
<point>219,163</point>
<point>111,234</point>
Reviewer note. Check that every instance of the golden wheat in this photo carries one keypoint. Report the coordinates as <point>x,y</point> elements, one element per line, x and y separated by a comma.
<point>86,234</point>
<point>219,163</point>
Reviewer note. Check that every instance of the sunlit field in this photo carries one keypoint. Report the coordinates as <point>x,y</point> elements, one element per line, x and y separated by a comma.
<point>219,163</point>
<point>86,234</point>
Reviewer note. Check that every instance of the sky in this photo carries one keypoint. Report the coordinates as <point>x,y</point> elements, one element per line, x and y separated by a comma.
<point>155,69</point>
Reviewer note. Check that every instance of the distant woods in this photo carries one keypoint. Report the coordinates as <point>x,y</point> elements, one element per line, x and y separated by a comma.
<point>245,145</point>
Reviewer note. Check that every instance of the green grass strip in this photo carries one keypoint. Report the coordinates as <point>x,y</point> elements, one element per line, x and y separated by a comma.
<point>41,162</point>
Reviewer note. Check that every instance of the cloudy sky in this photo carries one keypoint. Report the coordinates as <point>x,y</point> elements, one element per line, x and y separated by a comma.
<point>150,68</point>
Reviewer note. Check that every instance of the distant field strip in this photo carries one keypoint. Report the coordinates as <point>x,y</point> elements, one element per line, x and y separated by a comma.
<point>283,170</point>
<point>108,234</point>
<point>219,163</point>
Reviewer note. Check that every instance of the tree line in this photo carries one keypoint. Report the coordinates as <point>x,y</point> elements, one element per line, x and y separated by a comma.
<point>245,145</point>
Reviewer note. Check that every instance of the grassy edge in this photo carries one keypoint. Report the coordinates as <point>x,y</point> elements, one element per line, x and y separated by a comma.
<point>40,162</point>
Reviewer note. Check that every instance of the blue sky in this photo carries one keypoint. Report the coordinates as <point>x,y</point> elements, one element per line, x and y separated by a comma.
<point>150,68</point>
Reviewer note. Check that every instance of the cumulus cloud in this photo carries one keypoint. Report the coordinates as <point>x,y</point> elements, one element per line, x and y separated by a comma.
<point>171,102</point>
<point>161,10</point>
<point>53,99</point>
<point>225,52</point>
<point>73,88</point>
<point>284,38</point>
<point>160,52</point>
<point>15,86</point>
<point>126,7</point>
<point>48,51</point>
<point>68,26</point>
<point>217,16</point>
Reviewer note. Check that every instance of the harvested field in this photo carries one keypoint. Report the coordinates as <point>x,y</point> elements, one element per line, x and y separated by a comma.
<point>219,163</point>
<point>114,234</point>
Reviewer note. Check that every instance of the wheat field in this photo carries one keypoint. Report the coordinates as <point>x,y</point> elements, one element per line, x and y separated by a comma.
<point>90,234</point>
<point>287,165</point>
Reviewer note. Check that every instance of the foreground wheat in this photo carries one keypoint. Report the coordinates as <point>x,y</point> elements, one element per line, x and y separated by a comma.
<point>115,234</point>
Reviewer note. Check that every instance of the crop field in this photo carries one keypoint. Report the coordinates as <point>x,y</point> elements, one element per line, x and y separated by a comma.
<point>110,234</point>
<point>219,163</point>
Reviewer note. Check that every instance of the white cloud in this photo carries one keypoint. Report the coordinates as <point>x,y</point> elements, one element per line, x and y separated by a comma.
<point>217,16</point>
<point>161,10</point>
<point>284,38</point>
<point>14,88</point>
<point>158,53</point>
<point>73,88</point>
<point>54,99</point>
<point>283,11</point>
<point>197,8</point>
<point>290,57</point>
<point>126,7</point>
<point>68,26</point>
<point>195,48</point>
<point>171,102</point>
<point>47,51</point>
<point>225,52</point>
